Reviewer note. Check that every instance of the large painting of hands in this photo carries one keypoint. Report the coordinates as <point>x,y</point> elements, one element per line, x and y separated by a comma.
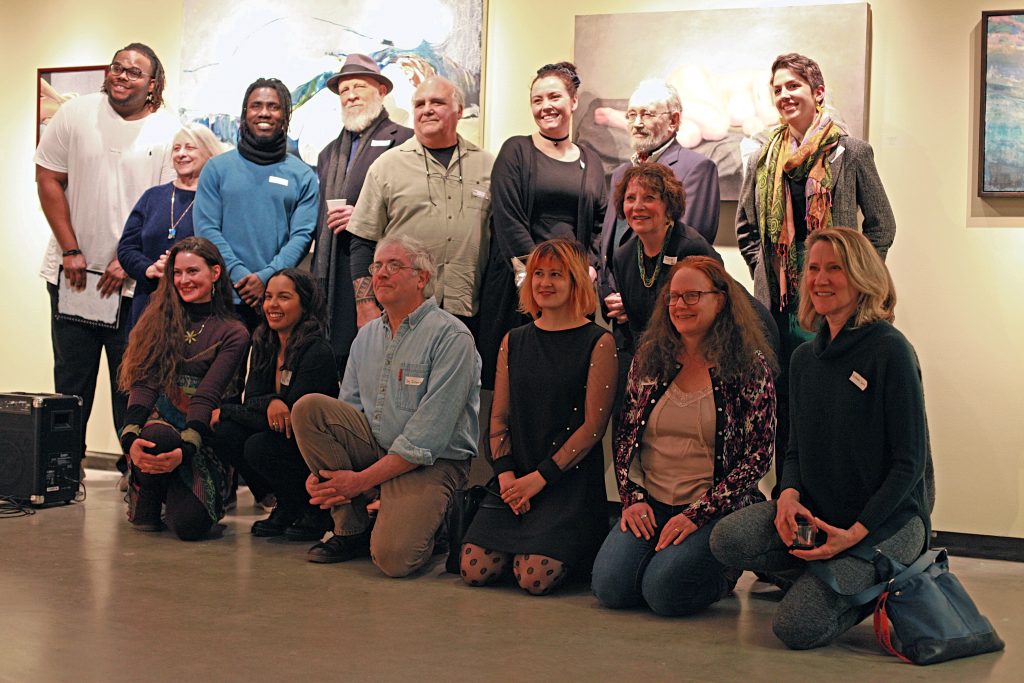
<point>720,61</point>
<point>226,46</point>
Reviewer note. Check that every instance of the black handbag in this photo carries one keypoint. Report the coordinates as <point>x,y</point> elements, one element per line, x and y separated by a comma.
<point>923,614</point>
<point>464,506</point>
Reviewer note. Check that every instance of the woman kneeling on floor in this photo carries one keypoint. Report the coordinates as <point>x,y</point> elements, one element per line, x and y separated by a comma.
<point>553,392</point>
<point>855,467</point>
<point>697,433</point>
<point>179,365</point>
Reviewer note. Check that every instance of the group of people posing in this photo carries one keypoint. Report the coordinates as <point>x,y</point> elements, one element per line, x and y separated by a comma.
<point>349,397</point>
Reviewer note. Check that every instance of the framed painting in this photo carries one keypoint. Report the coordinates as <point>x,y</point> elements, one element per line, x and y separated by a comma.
<point>304,42</point>
<point>55,86</point>
<point>1001,135</point>
<point>720,62</point>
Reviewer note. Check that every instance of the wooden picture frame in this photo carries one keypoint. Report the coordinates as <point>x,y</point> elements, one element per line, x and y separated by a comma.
<point>56,85</point>
<point>1001,123</point>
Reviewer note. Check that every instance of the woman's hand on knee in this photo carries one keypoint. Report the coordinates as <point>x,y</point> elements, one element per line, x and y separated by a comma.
<point>675,532</point>
<point>638,519</point>
<point>279,418</point>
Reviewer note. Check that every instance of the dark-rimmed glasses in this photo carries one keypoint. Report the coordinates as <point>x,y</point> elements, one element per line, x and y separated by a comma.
<point>133,73</point>
<point>689,298</point>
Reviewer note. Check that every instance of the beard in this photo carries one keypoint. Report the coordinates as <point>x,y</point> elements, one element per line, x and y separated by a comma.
<point>358,122</point>
<point>650,142</point>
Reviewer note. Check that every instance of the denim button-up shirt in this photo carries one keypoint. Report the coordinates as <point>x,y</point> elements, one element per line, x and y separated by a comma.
<point>420,390</point>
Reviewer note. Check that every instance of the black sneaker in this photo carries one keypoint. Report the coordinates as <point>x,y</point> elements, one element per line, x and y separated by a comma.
<point>340,549</point>
<point>277,523</point>
<point>310,525</point>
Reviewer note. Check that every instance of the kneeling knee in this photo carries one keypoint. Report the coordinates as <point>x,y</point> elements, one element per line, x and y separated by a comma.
<point>396,564</point>
<point>796,636</point>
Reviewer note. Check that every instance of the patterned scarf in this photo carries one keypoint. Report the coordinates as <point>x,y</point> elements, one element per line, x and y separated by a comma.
<point>805,162</point>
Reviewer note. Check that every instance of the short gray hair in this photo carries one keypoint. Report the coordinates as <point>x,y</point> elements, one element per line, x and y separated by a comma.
<point>655,88</point>
<point>421,259</point>
<point>458,97</point>
<point>202,137</point>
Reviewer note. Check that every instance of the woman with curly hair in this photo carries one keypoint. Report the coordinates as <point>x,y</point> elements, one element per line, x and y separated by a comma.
<point>696,435</point>
<point>181,359</point>
<point>290,358</point>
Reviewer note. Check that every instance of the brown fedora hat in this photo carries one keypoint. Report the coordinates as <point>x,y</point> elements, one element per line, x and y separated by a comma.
<point>359,65</point>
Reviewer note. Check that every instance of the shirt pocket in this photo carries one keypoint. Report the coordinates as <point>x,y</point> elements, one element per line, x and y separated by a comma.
<point>412,384</point>
<point>478,196</point>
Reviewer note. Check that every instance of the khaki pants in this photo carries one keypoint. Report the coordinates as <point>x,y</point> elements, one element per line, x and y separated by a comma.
<point>333,435</point>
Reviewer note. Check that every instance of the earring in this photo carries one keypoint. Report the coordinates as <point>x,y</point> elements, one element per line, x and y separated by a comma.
<point>149,98</point>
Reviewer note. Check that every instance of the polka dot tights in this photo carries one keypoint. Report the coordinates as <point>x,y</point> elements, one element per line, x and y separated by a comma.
<point>536,574</point>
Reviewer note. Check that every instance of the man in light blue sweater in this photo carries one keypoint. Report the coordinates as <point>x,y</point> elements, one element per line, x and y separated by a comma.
<point>258,204</point>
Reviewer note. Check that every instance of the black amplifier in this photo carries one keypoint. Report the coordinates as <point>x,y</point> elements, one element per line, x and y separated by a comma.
<point>40,447</point>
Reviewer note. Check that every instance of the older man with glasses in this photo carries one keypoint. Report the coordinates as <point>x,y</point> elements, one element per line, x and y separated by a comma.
<point>436,188</point>
<point>406,421</point>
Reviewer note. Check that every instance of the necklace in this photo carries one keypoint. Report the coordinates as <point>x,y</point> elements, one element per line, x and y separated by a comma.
<point>554,140</point>
<point>192,336</point>
<point>648,283</point>
<point>173,230</point>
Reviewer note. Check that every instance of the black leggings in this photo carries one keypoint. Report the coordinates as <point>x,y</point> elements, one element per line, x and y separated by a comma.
<point>269,462</point>
<point>186,515</point>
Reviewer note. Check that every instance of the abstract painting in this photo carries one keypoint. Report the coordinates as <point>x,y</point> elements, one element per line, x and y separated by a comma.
<point>1001,162</point>
<point>720,62</point>
<point>227,46</point>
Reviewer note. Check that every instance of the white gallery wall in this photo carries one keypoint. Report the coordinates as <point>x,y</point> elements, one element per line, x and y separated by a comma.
<point>958,261</point>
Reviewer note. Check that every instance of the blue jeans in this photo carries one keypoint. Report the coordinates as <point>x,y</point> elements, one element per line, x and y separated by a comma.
<point>677,580</point>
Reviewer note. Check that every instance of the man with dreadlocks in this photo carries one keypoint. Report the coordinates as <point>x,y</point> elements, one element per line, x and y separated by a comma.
<point>257,203</point>
<point>97,156</point>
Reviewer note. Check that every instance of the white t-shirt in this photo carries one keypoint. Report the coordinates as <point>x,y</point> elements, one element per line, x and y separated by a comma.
<point>110,162</point>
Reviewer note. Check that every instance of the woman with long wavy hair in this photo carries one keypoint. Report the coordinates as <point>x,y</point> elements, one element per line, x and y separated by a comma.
<point>182,356</point>
<point>696,434</point>
<point>290,358</point>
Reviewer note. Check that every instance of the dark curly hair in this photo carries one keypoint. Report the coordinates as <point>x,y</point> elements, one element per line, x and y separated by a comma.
<point>282,92</point>
<point>265,342</point>
<point>730,344</point>
<point>156,97</point>
<point>658,179</point>
<point>563,71</point>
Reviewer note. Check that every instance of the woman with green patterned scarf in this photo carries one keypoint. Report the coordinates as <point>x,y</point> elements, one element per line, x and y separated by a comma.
<point>809,175</point>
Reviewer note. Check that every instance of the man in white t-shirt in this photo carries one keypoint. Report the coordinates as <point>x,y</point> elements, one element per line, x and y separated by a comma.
<point>97,156</point>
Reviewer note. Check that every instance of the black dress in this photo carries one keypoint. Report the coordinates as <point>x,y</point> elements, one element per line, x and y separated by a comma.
<point>552,399</point>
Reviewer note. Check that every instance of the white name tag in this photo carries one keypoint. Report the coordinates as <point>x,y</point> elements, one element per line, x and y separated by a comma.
<point>413,381</point>
<point>286,377</point>
<point>380,143</point>
<point>279,181</point>
<point>859,381</point>
<point>480,194</point>
<point>669,260</point>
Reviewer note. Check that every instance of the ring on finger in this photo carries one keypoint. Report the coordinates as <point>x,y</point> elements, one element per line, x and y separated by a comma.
<point>643,516</point>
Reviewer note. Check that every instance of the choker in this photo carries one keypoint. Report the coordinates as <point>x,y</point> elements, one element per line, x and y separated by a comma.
<point>554,140</point>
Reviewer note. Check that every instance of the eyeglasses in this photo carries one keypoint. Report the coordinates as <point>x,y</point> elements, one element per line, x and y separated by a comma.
<point>389,267</point>
<point>133,73</point>
<point>690,298</point>
<point>644,115</point>
<point>446,176</point>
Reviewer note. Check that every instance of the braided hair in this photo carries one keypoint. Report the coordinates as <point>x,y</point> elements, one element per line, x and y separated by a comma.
<point>563,71</point>
<point>282,92</point>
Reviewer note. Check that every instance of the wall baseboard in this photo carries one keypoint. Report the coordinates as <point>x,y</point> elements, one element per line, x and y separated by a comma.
<point>980,546</point>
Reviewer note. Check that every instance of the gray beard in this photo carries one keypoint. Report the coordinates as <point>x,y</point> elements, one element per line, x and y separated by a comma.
<point>648,144</point>
<point>357,123</point>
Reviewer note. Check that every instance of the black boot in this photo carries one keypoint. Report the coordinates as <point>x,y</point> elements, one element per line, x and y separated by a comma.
<point>311,525</point>
<point>146,493</point>
<point>280,519</point>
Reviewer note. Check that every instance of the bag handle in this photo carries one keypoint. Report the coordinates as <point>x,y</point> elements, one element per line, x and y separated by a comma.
<point>883,629</point>
<point>865,596</point>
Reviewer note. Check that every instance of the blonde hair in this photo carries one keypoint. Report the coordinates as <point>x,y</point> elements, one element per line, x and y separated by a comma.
<point>867,274</point>
<point>202,137</point>
<point>573,257</point>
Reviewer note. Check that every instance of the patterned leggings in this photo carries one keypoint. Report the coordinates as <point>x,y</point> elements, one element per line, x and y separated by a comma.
<point>535,574</point>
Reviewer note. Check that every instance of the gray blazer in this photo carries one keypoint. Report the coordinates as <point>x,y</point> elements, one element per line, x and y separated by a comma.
<point>857,185</point>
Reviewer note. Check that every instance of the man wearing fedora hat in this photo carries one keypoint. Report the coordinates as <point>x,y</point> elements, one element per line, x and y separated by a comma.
<point>367,132</point>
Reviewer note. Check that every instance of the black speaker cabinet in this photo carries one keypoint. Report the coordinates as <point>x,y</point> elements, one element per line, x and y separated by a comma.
<point>40,447</point>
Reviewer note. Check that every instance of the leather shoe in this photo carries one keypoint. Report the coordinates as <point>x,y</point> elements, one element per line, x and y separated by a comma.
<point>277,523</point>
<point>309,525</point>
<point>340,549</point>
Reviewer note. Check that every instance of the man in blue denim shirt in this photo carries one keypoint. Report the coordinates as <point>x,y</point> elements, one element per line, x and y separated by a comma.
<point>406,421</point>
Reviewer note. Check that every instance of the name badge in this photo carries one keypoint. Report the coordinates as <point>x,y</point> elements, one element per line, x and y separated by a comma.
<point>669,260</point>
<point>286,377</point>
<point>279,181</point>
<point>413,381</point>
<point>859,381</point>
<point>479,194</point>
<point>380,143</point>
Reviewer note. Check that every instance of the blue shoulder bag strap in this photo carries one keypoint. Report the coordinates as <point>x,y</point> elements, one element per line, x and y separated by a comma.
<point>868,554</point>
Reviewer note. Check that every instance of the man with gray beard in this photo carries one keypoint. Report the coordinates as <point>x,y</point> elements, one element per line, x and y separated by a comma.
<point>367,133</point>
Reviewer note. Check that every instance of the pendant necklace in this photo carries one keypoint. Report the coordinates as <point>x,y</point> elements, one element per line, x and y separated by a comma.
<point>648,283</point>
<point>192,336</point>
<point>172,232</point>
<point>555,141</point>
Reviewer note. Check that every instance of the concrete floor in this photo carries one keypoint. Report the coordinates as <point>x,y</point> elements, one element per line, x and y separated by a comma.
<point>83,597</point>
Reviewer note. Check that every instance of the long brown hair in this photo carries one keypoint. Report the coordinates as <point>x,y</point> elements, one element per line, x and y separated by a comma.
<point>265,342</point>
<point>156,345</point>
<point>730,344</point>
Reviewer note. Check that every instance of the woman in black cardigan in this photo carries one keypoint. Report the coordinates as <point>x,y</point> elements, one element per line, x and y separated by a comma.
<point>543,187</point>
<point>290,358</point>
